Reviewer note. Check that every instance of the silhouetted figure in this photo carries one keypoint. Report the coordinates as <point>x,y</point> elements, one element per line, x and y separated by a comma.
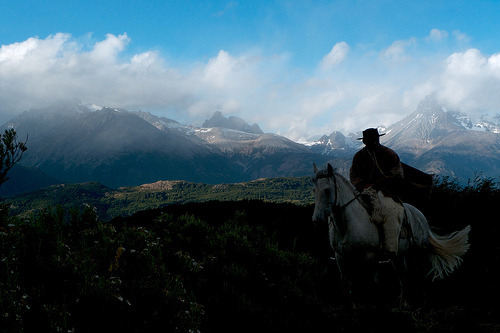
<point>377,172</point>
<point>377,166</point>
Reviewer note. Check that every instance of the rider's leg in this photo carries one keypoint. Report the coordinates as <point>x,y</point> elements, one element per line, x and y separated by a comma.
<point>393,213</point>
<point>387,215</point>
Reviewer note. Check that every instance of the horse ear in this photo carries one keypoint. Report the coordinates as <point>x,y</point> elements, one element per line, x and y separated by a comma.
<point>315,168</point>
<point>330,170</point>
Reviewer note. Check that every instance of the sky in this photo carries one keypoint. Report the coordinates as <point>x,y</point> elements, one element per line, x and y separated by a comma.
<point>297,68</point>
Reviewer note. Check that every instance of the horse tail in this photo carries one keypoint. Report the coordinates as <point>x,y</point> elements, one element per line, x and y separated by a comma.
<point>447,251</point>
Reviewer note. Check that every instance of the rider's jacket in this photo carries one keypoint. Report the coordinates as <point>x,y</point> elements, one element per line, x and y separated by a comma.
<point>379,167</point>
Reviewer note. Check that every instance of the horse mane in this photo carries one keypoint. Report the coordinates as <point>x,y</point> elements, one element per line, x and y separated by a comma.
<point>346,182</point>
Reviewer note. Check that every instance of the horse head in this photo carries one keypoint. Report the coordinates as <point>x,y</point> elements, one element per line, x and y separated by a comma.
<point>323,193</point>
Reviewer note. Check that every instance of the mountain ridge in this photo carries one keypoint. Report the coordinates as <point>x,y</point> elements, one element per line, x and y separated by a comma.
<point>232,122</point>
<point>433,139</point>
<point>117,148</point>
<point>77,143</point>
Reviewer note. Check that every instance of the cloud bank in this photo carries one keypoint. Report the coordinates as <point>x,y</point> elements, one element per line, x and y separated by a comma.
<point>349,89</point>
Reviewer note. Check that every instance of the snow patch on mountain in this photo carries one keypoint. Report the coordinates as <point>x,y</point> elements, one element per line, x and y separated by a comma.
<point>94,107</point>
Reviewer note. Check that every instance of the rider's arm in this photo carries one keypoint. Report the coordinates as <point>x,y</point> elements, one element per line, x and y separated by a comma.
<point>356,175</point>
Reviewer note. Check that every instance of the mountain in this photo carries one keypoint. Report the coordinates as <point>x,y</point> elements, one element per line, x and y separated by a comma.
<point>70,142</point>
<point>254,153</point>
<point>444,142</point>
<point>336,144</point>
<point>433,139</point>
<point>114,147</point>
<point>24,179</point>
<point>76,143</point>
<point>235,123</point>
<point>423,129</point>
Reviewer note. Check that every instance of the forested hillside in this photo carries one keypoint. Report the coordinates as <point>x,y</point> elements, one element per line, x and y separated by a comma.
<point>125,201</point>
<point>231,266</point>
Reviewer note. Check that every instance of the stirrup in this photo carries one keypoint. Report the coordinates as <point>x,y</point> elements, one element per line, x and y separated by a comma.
<point>384,261</point>
<point>385,256</point>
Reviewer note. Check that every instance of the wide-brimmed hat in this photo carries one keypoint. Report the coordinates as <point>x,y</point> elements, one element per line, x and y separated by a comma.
<point>370,133</point>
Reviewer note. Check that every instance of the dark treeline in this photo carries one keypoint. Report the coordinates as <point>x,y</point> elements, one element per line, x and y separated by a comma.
<point>238,266</point>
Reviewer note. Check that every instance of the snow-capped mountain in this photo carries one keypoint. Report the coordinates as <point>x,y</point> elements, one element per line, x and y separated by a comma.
<point>422,129</point>
<point>433,139</point>
<point>77,143</point>
<point>114,147</point>
<point>255,153</point>
<point>335,144</point>
<point>445,142</point>
<point>488,123</point>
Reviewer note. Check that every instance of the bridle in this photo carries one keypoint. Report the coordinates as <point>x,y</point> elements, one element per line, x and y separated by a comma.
<point>335,205</point>
<point>337,211</point>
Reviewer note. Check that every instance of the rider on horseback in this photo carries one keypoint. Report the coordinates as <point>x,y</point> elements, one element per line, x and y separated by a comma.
<point>377,172</point>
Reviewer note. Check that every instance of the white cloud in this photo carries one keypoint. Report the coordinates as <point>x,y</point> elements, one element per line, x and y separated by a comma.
<point>471,62</point>
<point>437,35</point>
<point>17,51</point>
<point>107,50</point>
<point>471,81</point>
<point>336,56</point>
<point>38,71</point>
<point>260,88</point>
<point>468,81</point>
<point>397,52</point>
<point>460,36</point>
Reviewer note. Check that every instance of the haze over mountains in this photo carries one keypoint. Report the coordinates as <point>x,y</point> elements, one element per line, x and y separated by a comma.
<point>74,143</point>
<point>70,142</point>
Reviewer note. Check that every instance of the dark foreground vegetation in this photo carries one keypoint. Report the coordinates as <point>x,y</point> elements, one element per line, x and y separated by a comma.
<point>231,266</point>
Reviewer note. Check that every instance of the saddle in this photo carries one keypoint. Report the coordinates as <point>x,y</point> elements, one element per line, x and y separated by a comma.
<point>370,201</point>
<point>366,198</point>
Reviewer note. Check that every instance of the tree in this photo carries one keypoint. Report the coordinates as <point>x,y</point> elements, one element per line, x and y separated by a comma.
<point>11,152</point>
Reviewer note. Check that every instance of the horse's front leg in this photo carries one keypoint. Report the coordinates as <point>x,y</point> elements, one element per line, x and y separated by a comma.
<point>399,266</point>
<point>345,279</point>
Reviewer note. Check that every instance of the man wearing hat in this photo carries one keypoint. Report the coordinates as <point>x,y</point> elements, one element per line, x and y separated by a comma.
<point>377,172</point>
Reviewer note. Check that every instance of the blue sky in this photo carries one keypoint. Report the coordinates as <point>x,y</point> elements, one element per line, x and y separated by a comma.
<point>299,68</point>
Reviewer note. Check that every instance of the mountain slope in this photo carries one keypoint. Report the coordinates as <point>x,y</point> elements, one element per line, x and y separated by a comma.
<point>433,139</point>
<point>23,179</point>
<point>74,143</point>
<point>423,129</point>
<point>253,153</point>
<point>114,147</point>
<point>444,142</point>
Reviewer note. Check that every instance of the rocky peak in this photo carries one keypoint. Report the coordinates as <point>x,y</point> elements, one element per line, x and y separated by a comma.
<point>428,122</point>
<point>235,123</point>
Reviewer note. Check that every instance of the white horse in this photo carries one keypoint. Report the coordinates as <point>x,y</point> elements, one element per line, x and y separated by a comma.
<point>355,238</point>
